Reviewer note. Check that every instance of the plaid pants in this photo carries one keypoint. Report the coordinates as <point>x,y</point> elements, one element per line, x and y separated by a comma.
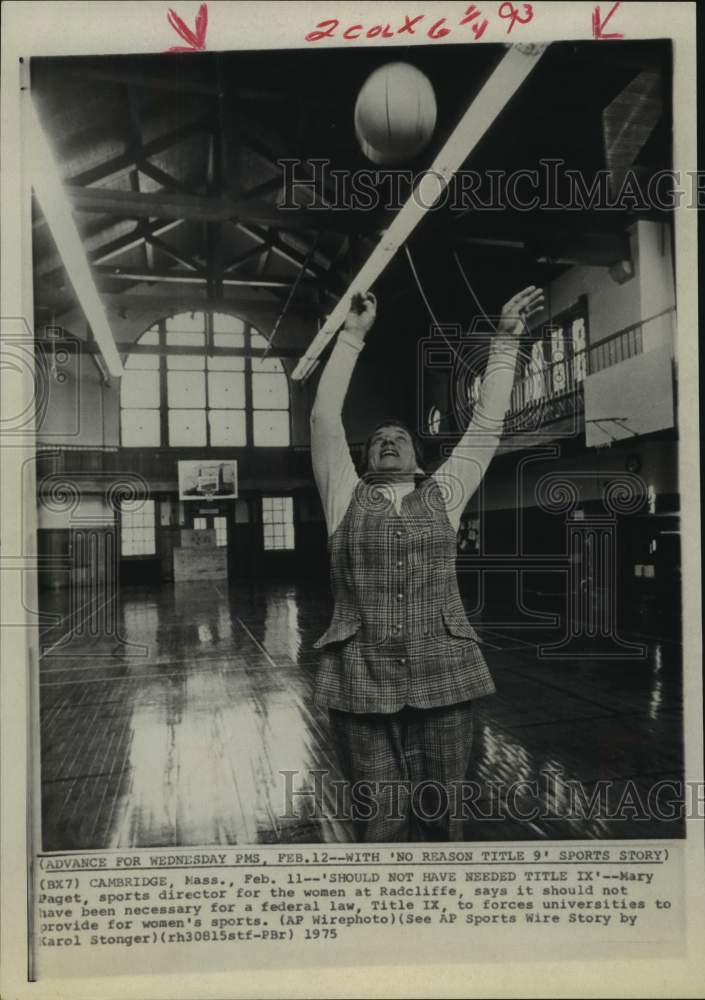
<point>401,768</point>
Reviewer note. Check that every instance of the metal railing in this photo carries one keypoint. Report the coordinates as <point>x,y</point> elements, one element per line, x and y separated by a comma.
<point>565,376</point>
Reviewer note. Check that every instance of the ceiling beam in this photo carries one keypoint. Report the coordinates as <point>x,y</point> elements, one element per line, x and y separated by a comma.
<point>252,254</point>
<point>182,277</point>
<point>175,84</point>
<point>161,176</point>
<point>272,149</point>
<point>159,299</point>
<point>181,205</point>
<point>182,259</point>
<point>274,243</point>
<point>117,165</point>
<point>101,253</point>
<point>136,141</point>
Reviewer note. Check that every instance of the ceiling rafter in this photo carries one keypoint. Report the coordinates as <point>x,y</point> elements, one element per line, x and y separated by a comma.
<point>177,204</point>
<point>137,276</point>
<point>167,180</point>
<point>278,247</point>
<point>266,187</point>
<point>135,143</point>
<point>254,253</point>
<point>119,164</point>
<point>184,260</point>
<point>265,146</point>
<point>174,84</point>
<point>101,253</point>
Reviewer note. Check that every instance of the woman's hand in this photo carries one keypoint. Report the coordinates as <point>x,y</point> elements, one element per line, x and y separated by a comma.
<point>518,310</point>
<point>361,316</point>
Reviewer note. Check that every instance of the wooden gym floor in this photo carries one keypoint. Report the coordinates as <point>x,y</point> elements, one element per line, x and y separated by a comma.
<point>175,731</point>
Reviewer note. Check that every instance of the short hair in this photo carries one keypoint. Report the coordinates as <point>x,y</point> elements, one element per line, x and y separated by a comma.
<point>393,422</point>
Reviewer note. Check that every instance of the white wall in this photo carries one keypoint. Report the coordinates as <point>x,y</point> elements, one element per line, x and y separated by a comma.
<point>611,306</point>
<point>79,410</point>
<point>89,509</point>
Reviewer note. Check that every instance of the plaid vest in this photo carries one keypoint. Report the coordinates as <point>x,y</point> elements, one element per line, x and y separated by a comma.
<point>399,634</point>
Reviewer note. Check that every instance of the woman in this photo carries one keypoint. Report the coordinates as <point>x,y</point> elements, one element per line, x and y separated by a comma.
<point>400,666</point>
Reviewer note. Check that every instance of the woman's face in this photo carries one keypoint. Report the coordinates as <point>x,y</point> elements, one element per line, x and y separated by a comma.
<point>391,450</point>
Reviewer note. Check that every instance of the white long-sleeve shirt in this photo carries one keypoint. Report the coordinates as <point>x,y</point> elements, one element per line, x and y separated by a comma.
<point>459,476</point>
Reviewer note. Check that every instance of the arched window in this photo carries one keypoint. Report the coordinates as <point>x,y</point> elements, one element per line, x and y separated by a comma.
<point>199,380</point>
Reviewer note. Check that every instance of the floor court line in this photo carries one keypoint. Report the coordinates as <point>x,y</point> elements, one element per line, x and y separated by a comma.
<point>71,631</point>
<point>149,677</point>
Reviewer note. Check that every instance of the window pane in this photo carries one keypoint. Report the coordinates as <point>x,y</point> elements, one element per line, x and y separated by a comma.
<point>272,365</point>
<point>270,392</point>
<point>186,323</point>
<point>222,323</point>
<point>271,428</point>
<point>221,530</point>
<point>222,363</point>
<point>140,428</point>
<point>278,522</point>
<point>187,428</point>
<point>226,390</point>
<point>257,341</point>
<point>149,337</point>
<point>199,523</point>
<point>227,428</point>
<point>186,362</point>
<point>140,389</point>
<point>144,362</point>
<point>180,338</point>
<point>186,389</point>
<point>137,535</point>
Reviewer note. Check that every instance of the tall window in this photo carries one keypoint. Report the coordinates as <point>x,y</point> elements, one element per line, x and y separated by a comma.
<point>137,528</point>
<point>197,380</point>
<point>278,522</point>
<point>221,531</point>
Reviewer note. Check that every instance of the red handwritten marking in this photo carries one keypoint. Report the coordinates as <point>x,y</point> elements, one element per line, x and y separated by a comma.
<point>598,26</point>
<point>478,30</point>
<point>470,14</point>
<point>325,30</point>
<point>437,30</point>
<point>380,29</point>
<point>509,12</point>
<point>408,25</point>
<point>196,39</point>
<point>330,27</point>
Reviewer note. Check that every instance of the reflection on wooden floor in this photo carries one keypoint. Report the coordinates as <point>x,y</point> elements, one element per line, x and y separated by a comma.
<point>177,732</point>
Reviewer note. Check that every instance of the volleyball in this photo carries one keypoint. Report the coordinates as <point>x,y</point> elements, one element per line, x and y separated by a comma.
<point>395,113</point>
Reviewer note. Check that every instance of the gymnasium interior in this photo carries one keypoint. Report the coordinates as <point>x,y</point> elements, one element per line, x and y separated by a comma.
<point>177,632</point>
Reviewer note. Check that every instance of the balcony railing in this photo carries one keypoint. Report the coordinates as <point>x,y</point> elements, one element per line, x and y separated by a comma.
<point>564,377</point>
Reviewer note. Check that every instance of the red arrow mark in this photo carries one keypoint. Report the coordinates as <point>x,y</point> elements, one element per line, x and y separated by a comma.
<point>196,39</point>
<point>598,26</point>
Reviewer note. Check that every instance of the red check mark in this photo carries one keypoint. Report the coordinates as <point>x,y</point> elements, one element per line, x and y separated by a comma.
<point>197,38</point>
<point>598,26</point>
